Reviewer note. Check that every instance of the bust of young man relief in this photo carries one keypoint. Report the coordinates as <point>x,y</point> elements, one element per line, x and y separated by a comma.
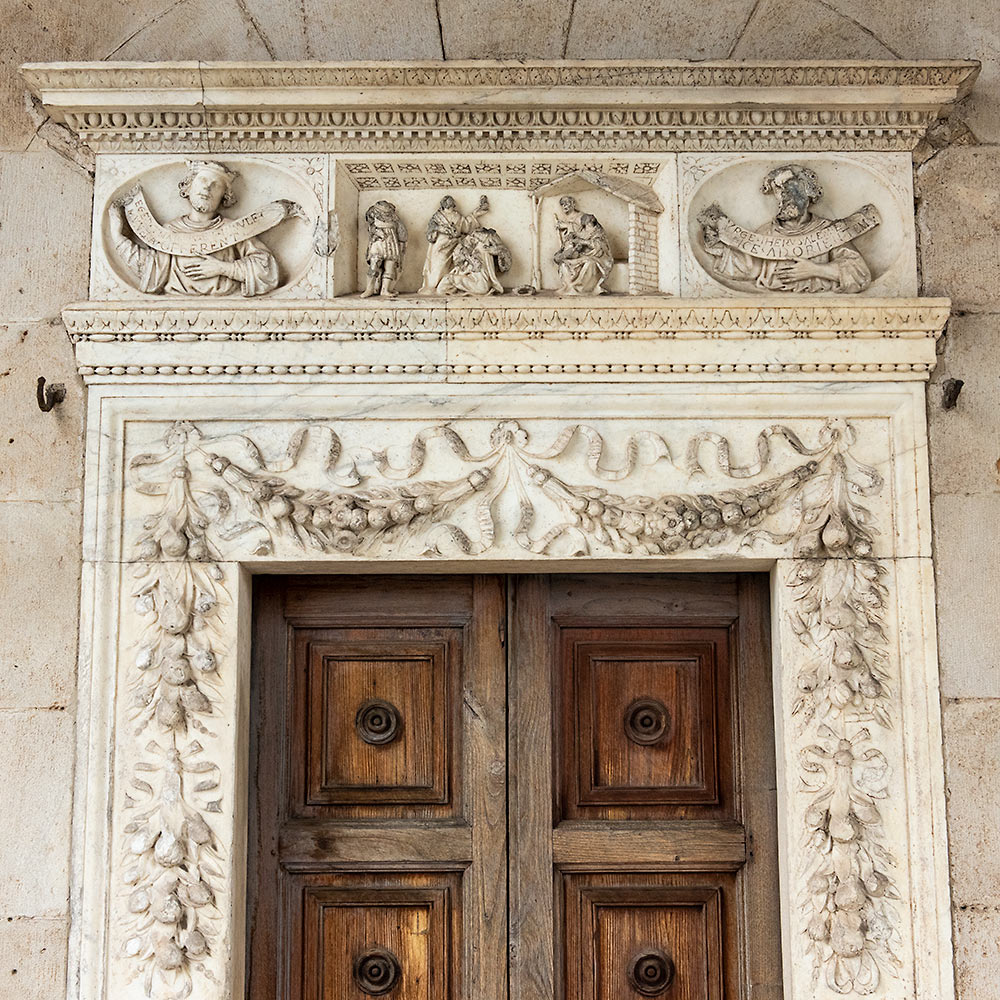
<point>799,251</point>
<point>200,252</point>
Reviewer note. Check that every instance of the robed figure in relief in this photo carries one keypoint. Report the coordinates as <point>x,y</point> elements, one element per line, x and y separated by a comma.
<point>799,251</point>
<point>584,256</point>
<point>200,252</point>
<point>445,229</point>
<point>477,261</point>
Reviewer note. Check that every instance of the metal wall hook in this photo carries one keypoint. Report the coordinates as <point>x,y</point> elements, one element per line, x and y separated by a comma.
<point>950,388</point>
<point>49,395</point>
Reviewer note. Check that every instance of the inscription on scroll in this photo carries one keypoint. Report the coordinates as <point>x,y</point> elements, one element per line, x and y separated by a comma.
<point>799,251</point>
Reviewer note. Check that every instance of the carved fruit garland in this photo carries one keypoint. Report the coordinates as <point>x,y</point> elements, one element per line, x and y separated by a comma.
<point>843,682</point>
<point>172,869</point>
<point>222,487</point>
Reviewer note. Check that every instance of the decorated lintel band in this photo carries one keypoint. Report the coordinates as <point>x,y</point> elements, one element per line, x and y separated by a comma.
<point>201,252</point>
<point>799,251</point>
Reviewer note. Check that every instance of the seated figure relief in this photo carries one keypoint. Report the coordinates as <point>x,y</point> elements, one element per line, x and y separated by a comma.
<point>799,251</point>
<point>200,252</point>
<point>584,255</point>
<point>387,237</point>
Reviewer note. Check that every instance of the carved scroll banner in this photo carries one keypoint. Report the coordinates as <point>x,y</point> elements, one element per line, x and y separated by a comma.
<point>801,247</point>
<point>227,234</point>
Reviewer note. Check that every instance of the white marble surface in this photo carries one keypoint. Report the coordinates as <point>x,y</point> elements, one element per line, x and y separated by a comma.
<point>347,186</point>
<point>308,431</point>
<point>884,180</point>
<point>582,439</point>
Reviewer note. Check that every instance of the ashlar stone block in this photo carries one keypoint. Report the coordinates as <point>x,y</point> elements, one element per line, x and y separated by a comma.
<point>958,219</point>
<point>787,29</point>
<point>41,454</point>
<point>972,768</point>
<point>966,541</point>
<point>977,958</point>
<point>33,950</point>
<point>965,440</point>
<point>36,774</point>
<point>40,268</point>
<point>346,30</point>
<point>660,29</point>
<point>39,601</point>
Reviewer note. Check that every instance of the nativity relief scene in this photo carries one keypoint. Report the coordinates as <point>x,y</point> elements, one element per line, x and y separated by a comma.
<point>574,231</point>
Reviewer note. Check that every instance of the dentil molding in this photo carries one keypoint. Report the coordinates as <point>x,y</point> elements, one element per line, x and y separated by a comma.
<point>486,106</point>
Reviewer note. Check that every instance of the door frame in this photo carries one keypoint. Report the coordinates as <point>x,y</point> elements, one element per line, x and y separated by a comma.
<point>137,446</point>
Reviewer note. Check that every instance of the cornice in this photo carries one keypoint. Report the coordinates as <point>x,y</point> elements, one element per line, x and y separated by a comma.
<point>492,106</point>
<point>641,335</point>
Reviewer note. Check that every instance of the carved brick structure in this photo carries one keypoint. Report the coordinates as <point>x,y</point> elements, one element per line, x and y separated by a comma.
<point>643,251</point>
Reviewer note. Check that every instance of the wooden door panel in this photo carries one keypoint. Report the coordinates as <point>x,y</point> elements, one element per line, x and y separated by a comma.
<point>641,936</point>
<point>379,708</point>
<point>646,723</point>
<point>378,807</point>
<point>650,799</point>
<point>632,839</point>
<point>394,935</point>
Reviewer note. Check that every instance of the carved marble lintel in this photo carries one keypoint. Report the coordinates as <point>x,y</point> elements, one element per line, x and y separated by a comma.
<point>669,106</point>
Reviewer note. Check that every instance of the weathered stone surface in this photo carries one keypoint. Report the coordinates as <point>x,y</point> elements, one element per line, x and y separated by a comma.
<point>789,29</point>
<point>965,440</point>
<point>36,775</point>
<point>972,768</point>
<point>348,29</point>
<point>39,601</point>
<point>40,32</point>
<point>657,30</point>
<point>195,29</point>
<point>33,966</point>
<point>977,958</point>
<point>524,29</point>
<point>41,454</point>
<point>959,223</point>
<point>967,29</point>
<point>42,267</point>
<point>966,542</point>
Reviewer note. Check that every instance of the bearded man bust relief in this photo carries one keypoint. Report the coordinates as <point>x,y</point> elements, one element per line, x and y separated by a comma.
<point>200,252</point>
<point>799,251</point>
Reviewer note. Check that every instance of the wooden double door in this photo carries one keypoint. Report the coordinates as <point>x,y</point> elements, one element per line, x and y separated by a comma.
<point>534,788</point>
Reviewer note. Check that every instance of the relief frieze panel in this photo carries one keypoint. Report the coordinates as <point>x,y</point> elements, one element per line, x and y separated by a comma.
<point>172,227</point>
<point>315,227</point>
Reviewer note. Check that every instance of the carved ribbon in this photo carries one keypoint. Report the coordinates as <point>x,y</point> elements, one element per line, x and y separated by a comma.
<point>804,246</point>
<point>226,234</point>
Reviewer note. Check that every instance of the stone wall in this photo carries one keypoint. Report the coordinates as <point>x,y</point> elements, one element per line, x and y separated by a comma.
<point>46,198</point>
